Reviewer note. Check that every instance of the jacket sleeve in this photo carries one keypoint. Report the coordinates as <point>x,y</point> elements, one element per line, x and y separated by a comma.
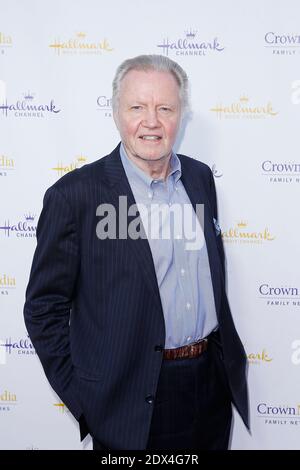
<point>50,292</point>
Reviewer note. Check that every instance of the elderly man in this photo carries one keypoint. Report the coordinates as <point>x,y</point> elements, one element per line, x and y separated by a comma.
<point>133,327</point>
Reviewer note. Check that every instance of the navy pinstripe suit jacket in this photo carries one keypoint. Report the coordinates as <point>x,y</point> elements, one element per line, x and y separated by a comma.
<point>93,308</point>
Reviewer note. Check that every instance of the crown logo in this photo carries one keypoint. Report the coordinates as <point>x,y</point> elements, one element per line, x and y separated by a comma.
<point>28,95</point>
<point>81,35</point>
<point>190,34</point>
<point>29,217</point>
<point>61,406</point>
<point>242,224</point>
<point>81,158</point>
<point>244,99</point>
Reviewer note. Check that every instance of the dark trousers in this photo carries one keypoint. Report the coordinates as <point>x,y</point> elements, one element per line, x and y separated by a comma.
<point>192,408</point>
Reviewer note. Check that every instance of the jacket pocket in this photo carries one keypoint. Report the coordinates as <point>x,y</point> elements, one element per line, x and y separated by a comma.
<point>86,375</point>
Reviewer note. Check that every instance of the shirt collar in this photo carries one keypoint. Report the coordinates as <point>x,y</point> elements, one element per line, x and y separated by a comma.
<point>134,171</point>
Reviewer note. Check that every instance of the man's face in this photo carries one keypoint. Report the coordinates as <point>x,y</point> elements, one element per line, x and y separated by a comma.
<point>148,115</point>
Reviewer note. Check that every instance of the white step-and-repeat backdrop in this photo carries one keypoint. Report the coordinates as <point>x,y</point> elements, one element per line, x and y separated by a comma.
<point>57,61</point>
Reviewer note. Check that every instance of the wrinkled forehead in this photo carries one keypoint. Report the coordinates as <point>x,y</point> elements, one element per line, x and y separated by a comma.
<point>149,85</point>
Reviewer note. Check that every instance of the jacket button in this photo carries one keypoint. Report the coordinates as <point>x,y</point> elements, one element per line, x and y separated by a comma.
<point>150,399</point>
<point>159,347</point>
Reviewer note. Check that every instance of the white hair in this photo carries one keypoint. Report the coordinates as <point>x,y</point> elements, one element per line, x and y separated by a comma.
<point>155,62</point>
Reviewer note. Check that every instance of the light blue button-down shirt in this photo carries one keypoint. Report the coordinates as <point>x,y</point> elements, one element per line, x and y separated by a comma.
<point>183,275</point>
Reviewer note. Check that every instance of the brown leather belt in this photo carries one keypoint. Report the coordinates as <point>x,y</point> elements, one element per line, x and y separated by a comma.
<point>186,352</point>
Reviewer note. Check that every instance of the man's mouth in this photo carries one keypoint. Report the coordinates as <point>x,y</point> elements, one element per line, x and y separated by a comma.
<point>150,137</point>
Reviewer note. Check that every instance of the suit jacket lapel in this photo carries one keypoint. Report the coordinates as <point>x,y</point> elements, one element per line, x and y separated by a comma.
<point>119,186</point>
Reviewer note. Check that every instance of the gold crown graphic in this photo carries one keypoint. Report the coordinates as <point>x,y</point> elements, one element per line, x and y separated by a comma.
<point>81,158</point>
<point>244,98</point>
<point>242,224</point>
<point>81,35</point>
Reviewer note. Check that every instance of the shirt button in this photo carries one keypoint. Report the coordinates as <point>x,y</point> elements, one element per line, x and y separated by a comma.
<point>189,338</point>
<point>188,305</point>
<point>182,272</point>
<point>149,195</point>
<point>155,181</point>
<point>149,399</point>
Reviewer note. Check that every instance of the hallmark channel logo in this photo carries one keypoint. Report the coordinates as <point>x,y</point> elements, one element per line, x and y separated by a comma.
<point>5,42</point>
<point>23,229</point>
<point>7,165</point>
<point>241,233</point>
<point>279,414</point>
<point>104,104</point>
<point>286,172</point>
<point>279,295</point>
<point>257,358</point>
<point>282,44</point>
<point>28,107</point>
<point>62,168</point>
<point>189,45</point>
<point>80,45</point>
<point>7,284</point>
<point>7,400</point>
<point>244,109</point>
<point>21,346</point>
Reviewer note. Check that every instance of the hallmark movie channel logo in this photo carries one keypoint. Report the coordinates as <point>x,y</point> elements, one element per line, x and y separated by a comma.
<point>21,346</point>
<point>279,295</point>
<point>241,233</point>
<point>7,165</point>
<point>21,229</point>
<point>7,284</point>
<point>285,172</point>
<point>104,104</point>
<point>80,45</point>
<point>29,107</point>
<point>260,357</point>
<point>278,414</point>
<point>190,45</point>
<point>61,407</point>
<point>5,42</point>
<point>7,400</point>
<point>62,168</point>
<point>243,108</point>
<point>279,43</point>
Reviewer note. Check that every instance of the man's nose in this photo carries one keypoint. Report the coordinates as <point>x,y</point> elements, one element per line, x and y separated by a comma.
<point>150,118</point>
